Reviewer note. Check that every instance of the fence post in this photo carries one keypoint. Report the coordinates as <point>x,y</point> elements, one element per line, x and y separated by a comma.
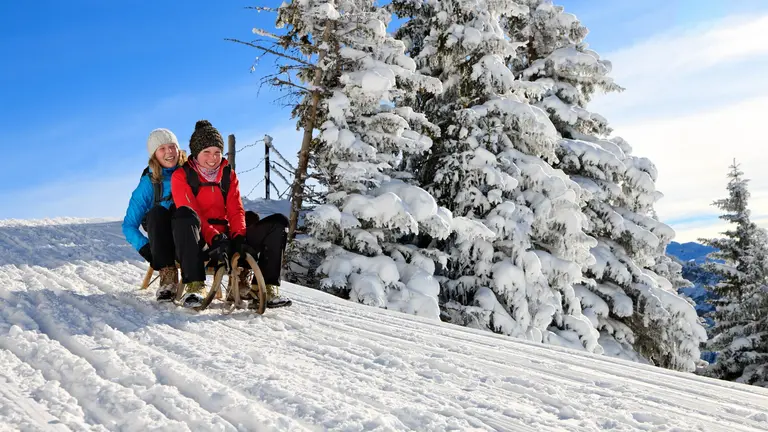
<point>231,150</point>
<point>267,182</point>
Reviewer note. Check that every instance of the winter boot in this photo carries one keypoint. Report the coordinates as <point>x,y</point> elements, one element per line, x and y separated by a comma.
<point>194,294</point>
<point>254,303</point>
<point>169,278</point>
<point>244,286</point>
<point>274,299</point>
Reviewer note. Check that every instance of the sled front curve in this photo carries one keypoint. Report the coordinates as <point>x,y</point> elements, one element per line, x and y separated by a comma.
<point>218,276</point>
<point>258,278</point>
<point>215,288</point>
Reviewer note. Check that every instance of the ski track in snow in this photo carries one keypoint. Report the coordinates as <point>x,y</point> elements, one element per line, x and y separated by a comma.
<point>82,349</point>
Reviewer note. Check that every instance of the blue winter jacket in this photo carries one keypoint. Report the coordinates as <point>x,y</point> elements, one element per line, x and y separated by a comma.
<point>142,200</point>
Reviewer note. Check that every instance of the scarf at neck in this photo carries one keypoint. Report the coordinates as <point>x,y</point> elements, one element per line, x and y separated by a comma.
<point>208,174</point>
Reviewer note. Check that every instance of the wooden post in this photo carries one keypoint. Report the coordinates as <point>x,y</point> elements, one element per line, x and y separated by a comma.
<point>267,182</point>
<point>231,150</point>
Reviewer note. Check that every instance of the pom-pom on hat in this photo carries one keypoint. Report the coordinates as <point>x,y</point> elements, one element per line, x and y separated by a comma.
<point>204,136</point>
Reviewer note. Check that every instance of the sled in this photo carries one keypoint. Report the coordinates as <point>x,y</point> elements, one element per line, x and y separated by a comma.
<point>216,291</point>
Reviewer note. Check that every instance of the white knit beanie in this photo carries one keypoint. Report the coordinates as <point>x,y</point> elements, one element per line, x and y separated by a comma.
<point>159,137</point>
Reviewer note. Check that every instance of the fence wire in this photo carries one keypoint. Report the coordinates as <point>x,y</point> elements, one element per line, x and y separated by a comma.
<point>251,169</point>
<point>249,146</point>
<point>254,187</point>
<point>282,169</point>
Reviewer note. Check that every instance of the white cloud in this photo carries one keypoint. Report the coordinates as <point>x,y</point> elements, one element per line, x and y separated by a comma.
<point>695,100</point>
<point>683,52</point>
<point>709,228</point>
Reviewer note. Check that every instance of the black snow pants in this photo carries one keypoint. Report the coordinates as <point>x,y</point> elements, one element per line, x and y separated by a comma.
<point>267,237</point>
<point>157,224</point>
<point>189,245</point>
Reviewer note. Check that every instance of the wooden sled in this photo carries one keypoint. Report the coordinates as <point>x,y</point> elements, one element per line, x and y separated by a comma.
<point>216,288</point>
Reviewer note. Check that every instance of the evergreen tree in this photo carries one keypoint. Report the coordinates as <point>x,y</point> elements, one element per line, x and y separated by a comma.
<point>348,77</point>
<point>304,45</point>
<point>519,243</point>
<point>740,333</point>
<point>371,208</point>
<point>629,296</point>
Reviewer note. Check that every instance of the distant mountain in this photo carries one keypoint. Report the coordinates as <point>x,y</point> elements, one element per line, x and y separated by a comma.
<point>689,251</point>
<point>701,279</point>
<point>693,255</point>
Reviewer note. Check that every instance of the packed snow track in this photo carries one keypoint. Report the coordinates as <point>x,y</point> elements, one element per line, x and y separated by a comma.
<point>82,349</point>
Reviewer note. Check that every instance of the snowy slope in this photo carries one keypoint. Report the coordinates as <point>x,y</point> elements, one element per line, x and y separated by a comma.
<point>267,207</point>
<point>82,349</point>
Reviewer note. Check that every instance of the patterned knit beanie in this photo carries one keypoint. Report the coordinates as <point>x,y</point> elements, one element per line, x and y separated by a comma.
<point>204,136</point>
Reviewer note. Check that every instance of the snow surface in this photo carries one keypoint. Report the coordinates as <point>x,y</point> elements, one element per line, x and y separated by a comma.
<point>265,208</point>
<point>82,349</point>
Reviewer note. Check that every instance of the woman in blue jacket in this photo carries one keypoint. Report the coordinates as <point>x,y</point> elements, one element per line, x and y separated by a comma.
<point>151,207</point>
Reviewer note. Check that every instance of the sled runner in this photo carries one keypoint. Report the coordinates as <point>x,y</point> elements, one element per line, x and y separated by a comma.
<point>218,271</point>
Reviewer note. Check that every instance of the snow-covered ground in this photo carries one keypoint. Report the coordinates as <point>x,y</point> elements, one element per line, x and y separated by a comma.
<point>82,349</point>
<point>267,207</point>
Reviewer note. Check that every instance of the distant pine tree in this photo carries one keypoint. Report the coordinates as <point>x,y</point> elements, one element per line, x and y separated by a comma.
<point>740,333</point>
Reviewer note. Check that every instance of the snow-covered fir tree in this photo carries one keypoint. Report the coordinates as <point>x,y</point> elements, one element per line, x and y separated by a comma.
<point>740,333</point>
<point>371,207</point>
<point>629,297</point>
<point>519,243</point>
<point>304,45</point>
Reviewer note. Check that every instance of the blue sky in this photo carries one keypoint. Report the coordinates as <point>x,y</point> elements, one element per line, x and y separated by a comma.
<point>89,80</point>
<point>85,81</point>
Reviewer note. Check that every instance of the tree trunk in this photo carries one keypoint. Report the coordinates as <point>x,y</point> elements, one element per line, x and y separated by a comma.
<point>300,177</point>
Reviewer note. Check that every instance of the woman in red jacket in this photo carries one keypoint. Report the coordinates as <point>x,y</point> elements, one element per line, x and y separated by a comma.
<point>210,213</point>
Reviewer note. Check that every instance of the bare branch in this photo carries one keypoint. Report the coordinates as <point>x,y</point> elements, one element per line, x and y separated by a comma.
<point>280,155</point>
<point>278,81</point>
<point>286,68</point>
<point>261,8</point>
<point>266,34</point>
<point>276,189</point>
<point>279,174</point>
<point>287,98</point>
<point>285,191</point>
<point>271,51</point>
<point>254,187</point>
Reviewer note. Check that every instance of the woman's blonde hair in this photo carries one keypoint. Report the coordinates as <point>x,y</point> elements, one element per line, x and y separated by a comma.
<point>157,169</point>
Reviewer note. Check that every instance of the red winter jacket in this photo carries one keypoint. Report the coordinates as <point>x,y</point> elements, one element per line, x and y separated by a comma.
<point>209,203</point>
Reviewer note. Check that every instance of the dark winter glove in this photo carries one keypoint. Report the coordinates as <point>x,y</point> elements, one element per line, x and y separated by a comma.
<point>219,246</point>
<point>146,253</point>
<point>237,245</point>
